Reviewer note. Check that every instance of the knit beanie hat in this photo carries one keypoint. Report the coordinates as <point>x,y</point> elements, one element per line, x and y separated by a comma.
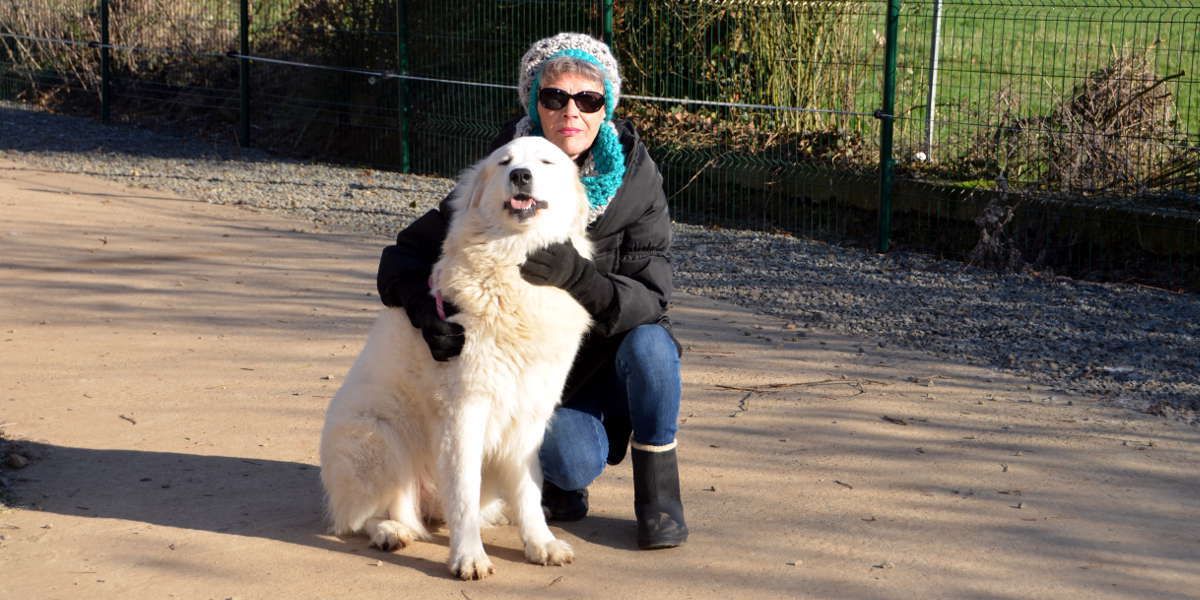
<point>605,168</point>
<point>552,47</point>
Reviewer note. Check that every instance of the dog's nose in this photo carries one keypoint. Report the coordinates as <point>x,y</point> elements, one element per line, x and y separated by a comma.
<point>521,177</point>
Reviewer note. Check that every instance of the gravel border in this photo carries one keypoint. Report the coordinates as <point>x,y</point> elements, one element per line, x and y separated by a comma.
<point>1134,345</point>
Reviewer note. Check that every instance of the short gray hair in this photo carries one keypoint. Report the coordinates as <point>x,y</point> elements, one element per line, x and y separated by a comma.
<point>567,65</point>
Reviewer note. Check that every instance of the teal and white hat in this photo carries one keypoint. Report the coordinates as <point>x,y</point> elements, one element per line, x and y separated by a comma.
<point>605,168</point>
<point>552,47</point>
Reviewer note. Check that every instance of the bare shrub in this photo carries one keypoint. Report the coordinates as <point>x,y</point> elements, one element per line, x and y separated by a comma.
<point>45,64</point>
<point>1114,130</point>
<point>147,35</point>
<point>1115,135</point>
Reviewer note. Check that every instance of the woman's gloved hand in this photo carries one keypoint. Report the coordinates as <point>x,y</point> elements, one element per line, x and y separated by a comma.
<point>445,339</point>
<point>561,266</point>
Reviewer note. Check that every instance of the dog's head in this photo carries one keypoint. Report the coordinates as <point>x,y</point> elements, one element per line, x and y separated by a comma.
<point>528,187</point>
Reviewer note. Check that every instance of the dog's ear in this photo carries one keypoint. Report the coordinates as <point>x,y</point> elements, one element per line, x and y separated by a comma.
<point>469,188</point>
<point>479,182</point>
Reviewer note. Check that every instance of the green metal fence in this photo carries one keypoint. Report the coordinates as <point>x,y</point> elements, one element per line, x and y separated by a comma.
<point>1077,121</point>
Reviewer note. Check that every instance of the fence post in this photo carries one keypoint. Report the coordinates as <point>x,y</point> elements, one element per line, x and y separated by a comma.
<point>608,24</point>
<point>931,97</point>
<point>105,66</point>
<point>244,73</point>
<point>886,116</point>
<point>402,83</point>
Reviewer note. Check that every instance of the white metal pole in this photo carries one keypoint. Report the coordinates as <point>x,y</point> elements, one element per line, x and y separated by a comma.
<point>931,97</point>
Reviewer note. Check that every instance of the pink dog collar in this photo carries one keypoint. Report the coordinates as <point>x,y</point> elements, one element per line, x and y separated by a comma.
<point>438,302</point>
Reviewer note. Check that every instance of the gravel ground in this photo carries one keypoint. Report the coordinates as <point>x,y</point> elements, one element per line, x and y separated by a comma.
<point>1133,345</point>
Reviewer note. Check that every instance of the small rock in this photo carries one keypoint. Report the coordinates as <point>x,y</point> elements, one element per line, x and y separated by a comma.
<point>887,564</point>
<point>16,461</point>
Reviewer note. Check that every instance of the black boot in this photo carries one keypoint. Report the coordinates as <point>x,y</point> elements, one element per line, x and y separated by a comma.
<point>563,505</point>
<point>656,499</point>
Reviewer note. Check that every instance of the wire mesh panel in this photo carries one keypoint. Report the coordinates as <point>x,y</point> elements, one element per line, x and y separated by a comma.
<point>1056,113</point>
<point>467,53</point>
<point>774,128</point>
<point>319,91</point>
<point>1086,96</point>
<point>1049,128</point>
<point>45,48</point>
<point>169,61</point>
<point>333,94</point>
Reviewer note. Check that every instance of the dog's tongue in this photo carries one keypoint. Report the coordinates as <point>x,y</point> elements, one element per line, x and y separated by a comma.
<point>521,202</point>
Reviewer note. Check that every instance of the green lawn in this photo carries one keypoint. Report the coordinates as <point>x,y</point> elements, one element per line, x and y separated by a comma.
<point>1032,53</point>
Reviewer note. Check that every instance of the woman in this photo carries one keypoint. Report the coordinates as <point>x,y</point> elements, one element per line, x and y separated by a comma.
<point>626,376</point>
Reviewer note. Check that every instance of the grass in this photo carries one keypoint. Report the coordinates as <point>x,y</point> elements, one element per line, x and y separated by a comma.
<point>1001,62</point>
<point>1026,57</point>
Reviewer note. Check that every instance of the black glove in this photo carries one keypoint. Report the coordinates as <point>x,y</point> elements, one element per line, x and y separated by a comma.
<point>560,265</point>
<point>445,339</point>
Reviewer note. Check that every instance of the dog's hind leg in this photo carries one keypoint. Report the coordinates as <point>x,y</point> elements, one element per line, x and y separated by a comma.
<point>403,524</point>
<point>523,493</point>
<point>370,484</point>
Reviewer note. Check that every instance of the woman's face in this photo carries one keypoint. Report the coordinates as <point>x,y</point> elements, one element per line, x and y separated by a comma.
<point>569,128</point>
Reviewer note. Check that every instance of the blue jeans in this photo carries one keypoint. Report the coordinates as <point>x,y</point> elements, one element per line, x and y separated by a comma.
<point>642,385</point>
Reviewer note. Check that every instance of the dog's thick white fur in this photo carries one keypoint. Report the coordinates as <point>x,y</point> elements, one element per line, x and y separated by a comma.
<point>408,439</point>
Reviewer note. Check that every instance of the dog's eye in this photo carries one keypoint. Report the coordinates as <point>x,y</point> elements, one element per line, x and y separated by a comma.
<point>506,160</point>
<point>546,161</point>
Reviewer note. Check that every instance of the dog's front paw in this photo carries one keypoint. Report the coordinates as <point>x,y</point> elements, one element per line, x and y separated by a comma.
<point>474,565</point>
<point>390,535</point>
<point>554,552</point>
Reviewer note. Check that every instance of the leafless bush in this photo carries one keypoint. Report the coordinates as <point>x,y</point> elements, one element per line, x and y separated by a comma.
<point>38,59</point>
<point>1114,135</point>
<point>60,46</point>
<point>1115,130</point>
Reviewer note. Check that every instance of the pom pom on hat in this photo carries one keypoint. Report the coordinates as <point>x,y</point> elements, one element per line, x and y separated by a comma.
<point>543,49</point>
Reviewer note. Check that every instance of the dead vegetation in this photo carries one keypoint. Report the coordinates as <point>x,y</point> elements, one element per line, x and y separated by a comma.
<point>1115,134</point>
<point>996,249</point>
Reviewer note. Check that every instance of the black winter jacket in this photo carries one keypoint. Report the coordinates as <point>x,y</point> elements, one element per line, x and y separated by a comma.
<point>631,249</point>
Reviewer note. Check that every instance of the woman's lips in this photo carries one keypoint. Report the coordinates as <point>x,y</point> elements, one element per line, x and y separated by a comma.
<point>569,131</point>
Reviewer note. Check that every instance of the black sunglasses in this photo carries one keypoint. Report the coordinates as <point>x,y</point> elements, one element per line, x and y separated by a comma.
<point>555,99</point>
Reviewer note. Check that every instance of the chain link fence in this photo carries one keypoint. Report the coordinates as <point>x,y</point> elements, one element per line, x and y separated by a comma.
<point>1062,133</point>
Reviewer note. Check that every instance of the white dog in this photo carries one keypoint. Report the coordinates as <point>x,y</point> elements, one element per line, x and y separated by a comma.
<point>405,431</point>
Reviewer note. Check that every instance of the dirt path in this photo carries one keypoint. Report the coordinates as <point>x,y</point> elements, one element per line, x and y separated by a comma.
<point>166,364</point>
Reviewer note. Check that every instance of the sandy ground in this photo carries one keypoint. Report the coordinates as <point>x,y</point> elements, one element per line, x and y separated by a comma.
<point>166,364</point>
